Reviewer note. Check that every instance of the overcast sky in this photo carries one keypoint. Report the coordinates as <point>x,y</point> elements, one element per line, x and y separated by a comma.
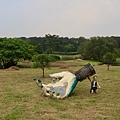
<point>66,18</point>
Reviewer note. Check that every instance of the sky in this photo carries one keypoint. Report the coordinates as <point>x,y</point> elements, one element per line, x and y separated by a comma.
<point>66,18</point>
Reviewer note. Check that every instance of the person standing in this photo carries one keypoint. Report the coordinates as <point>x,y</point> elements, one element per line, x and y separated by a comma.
<point>94,85</point>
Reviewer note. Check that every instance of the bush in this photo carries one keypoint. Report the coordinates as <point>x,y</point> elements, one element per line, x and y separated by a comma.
<point>70,57</point>
<point>117,63</point>
<point>56,57</point>
<point>66,53</point>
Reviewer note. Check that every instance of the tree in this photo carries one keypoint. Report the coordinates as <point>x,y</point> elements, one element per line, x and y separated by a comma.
<point>43,60</point>
<point>14,49</point>
<point>109,58</point>
<point>85,49</point>
<point>38,46</point>
<point>69,48</point>
<point>50,42</point>
<point>96,47</point>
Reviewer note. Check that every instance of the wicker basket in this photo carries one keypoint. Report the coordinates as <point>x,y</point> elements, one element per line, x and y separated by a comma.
<point>85,72</point>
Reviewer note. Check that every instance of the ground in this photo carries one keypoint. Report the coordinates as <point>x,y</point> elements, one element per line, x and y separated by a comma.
<point>21,99</point>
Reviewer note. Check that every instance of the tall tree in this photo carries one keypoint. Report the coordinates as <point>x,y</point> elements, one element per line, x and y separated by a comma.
<point>50,41</point>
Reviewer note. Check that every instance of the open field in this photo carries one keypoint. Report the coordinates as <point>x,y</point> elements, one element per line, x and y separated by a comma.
<point>21,99</point>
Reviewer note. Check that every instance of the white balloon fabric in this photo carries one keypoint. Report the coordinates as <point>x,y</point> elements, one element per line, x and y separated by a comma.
<point>61,89</point>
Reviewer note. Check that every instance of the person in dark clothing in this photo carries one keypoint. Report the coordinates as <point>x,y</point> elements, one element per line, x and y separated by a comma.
<point>94,85</point>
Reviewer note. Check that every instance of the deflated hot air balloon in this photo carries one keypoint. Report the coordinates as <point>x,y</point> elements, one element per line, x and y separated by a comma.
<point>67,82</point>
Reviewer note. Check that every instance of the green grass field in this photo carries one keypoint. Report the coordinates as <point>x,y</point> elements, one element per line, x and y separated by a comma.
<point>22,99</point>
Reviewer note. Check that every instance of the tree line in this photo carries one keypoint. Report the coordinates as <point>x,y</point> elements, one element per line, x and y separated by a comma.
<point>93,48</point>
<point>103,49</point>
<point>54,43</point>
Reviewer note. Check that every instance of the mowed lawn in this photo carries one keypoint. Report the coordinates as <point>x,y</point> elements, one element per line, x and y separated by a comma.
<point>22,99</point>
